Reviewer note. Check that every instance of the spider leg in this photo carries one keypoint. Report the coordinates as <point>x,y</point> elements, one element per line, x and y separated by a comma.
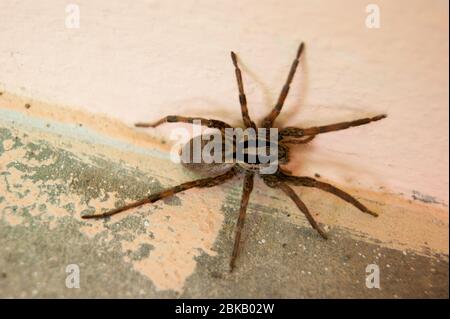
<point>296,132</point>
<point>298,141</point>
<point>242,98</point>
<point>301,205</point>
<point>269,119</point>
<point>311,182</point>
<point>176,118</point>
<point>205,182</point>
<point>247,189</point>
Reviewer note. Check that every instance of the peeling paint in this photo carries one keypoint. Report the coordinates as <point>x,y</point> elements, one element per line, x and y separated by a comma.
<point>71,183</point>
<point>426,198</point>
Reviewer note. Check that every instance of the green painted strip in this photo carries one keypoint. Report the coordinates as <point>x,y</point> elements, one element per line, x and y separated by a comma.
<point>74,131</point>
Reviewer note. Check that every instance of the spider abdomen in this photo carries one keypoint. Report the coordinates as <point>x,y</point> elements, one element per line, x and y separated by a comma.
<point>215,153</point>
<point>203,154</point>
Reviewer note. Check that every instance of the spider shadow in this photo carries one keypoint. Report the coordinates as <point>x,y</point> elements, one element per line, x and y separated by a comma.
<point>197,106</point>
<point>359,172</point>
<point>269,100</point>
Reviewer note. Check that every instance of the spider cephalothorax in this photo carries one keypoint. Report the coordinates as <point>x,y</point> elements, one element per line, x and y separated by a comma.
<point>239,159</point>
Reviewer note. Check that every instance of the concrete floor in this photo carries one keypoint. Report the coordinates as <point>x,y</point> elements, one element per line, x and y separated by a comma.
<point>53,172</point>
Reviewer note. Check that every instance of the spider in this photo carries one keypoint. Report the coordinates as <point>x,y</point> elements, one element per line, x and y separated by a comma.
<point>279,179</point>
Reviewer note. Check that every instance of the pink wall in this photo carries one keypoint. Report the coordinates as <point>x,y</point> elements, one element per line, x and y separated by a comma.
<point>140,60</point>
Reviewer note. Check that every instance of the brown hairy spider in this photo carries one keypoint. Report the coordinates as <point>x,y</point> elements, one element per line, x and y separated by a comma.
<point>279,179</point>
